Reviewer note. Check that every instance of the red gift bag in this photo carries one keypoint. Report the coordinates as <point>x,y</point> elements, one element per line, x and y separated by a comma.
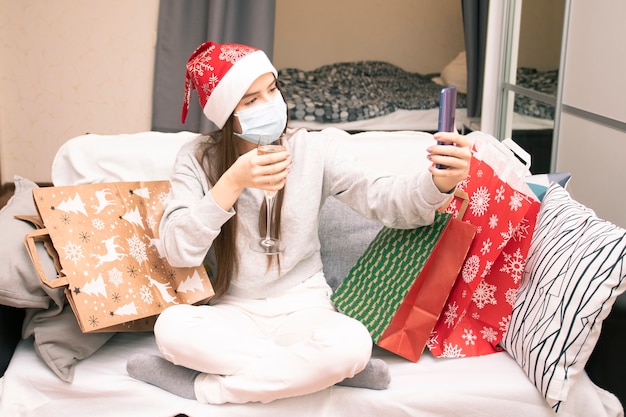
<point>504,211</point>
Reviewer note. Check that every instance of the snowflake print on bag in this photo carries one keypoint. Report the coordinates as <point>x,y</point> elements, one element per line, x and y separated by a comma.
<point>489,334</point>
<point>450,351</point>
<point>479,202</point>
<point>488,266</point>
<point>499,194</point>
<point>486,247</point>
<point>514,265</point>
<point>115,277</point>
<point>137,248</point>
<point>463,184</point>
<point>470,268</point>
<point>453,209</point>
<point>507,235</point>
<point>146,294</point>
<point>516,201</point>
<point>151,222</point>
<point>97,224</point>
<point>484,295</point>
<point>522,231</point>
<point>493,221</point>
<point>432,340</point>
<point>73,252</point>
<point>450,314</point>
<point>469,337</point>
<point>504,323</point>
<point>511,295</point>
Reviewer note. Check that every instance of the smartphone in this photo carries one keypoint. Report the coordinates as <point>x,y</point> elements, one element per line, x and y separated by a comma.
<point>447,110</point>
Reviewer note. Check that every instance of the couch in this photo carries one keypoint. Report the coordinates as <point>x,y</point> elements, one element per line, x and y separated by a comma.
<point>84,374</point>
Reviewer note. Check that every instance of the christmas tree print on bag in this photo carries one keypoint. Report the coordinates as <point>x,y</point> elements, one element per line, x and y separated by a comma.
<point>109,256</point>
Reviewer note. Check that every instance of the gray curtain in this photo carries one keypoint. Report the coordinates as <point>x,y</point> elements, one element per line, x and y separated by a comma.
<point>475,16</point>
<point>183,26</point>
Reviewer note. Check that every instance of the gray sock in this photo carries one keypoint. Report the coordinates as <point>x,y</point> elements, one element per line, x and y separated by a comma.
<point>164,374</point>
<point>375,376</point>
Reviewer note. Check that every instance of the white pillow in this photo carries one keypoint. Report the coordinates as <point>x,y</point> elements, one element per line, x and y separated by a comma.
<point>91,158</point>
<point>455,73</point>
<point>576,267</point>
<point>150,156</point>
<point>395,152</point>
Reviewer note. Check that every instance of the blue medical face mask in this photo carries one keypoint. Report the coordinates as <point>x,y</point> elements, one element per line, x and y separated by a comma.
<point>267,120</point>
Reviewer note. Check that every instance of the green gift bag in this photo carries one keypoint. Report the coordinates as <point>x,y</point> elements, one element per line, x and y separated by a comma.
<point>399,286</point>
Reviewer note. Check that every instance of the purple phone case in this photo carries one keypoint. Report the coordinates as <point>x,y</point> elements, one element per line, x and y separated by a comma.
<point>447,109</point>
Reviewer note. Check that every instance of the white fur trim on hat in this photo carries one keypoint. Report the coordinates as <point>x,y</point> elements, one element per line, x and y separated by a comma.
<point>233,86</point>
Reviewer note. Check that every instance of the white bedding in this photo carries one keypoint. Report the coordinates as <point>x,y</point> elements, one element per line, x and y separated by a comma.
<point>491,385</point>
<point>420,120</point>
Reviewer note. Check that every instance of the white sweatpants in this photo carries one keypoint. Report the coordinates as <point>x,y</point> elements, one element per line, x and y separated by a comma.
<point>266,349</point>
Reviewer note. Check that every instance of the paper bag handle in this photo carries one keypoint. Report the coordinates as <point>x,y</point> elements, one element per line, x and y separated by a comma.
<point>42,235</point>
<point>512,159</point>
<point>34,220</point>
<point>462,195</point>
<point>519,152</point>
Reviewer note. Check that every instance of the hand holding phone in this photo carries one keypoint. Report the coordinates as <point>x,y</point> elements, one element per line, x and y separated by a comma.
<point>447,110</point>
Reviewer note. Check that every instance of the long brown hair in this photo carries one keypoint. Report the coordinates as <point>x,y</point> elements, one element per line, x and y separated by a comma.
<point>216,156</point>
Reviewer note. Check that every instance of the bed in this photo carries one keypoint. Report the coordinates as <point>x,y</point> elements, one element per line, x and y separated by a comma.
<point>377,95</point>
<point>95,381</point>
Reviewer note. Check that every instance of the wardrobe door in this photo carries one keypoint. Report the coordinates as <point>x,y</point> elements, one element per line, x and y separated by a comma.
<point>523,54</point>
<point>591,127</point>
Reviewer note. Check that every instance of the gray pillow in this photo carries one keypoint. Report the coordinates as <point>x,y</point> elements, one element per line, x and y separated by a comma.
<point>59,340</point>
<point>20,285</point>
<point>344,236</point>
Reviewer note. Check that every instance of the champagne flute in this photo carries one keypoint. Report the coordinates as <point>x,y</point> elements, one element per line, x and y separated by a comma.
<point>268,244</point>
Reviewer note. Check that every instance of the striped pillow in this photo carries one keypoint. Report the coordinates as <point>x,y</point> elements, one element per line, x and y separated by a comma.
<point>575,269</point>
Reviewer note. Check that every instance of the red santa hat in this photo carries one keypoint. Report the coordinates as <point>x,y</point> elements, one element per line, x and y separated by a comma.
<point>221,74</point>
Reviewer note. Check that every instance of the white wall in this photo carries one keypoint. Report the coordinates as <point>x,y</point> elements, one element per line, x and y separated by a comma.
<point>588,144</point>
<point>67,68</point>
<point>417,35</point>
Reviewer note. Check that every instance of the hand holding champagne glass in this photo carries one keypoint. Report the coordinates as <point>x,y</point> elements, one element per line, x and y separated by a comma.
<point>268,244</point>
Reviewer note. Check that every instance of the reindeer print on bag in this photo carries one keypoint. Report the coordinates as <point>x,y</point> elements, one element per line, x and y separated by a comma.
<point>106,237</point>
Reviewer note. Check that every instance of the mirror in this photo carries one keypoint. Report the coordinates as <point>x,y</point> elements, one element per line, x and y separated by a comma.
<point>529,76</point>
<point>538,57</point>
<point>541,28</point>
